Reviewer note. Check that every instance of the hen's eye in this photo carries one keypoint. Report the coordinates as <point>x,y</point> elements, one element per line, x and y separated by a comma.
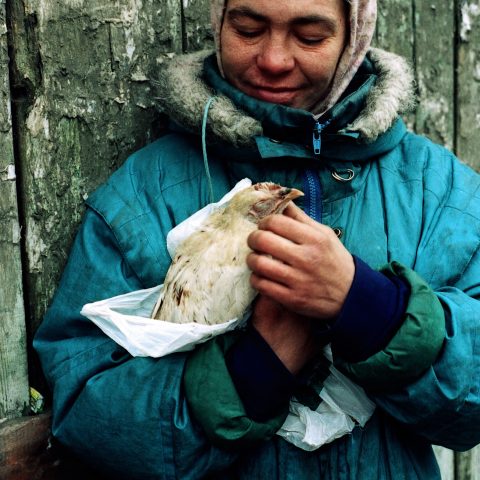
<point>264,206</point>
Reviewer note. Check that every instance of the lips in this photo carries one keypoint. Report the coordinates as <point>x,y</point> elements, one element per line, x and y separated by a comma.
<point>273,94</point>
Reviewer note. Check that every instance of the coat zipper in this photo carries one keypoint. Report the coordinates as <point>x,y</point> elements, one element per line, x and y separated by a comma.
<point>317,139</point>
<point>311,179</point>
<point>313,195</point>
<point>317,136</point>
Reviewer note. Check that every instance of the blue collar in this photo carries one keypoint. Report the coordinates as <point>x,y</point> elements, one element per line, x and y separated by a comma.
<point>287,132</point>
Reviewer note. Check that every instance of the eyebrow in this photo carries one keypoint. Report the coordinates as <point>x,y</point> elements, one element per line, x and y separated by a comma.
<point>241,12</point>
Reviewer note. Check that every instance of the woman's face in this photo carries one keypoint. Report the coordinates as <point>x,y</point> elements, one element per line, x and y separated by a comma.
<point>283,51</point>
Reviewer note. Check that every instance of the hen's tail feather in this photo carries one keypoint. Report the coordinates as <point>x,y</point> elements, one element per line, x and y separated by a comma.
<point>157,308</point>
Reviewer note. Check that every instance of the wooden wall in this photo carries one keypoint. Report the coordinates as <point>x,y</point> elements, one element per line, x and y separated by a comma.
<point>13,345</point>
<point>75,101</point>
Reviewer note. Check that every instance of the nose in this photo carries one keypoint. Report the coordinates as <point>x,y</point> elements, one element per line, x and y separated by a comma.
<point>275,57</point>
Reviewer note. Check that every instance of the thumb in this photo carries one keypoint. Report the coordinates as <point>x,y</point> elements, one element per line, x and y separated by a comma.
<point>296,213</point>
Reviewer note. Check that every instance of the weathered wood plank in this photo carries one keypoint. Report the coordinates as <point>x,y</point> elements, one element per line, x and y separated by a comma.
<point>408,28</point>
<point>198,34</point>
<point>446,460</point>
<point>395,33</point>
<point>434,53</point>
<point>13,352</point>
<point>468,83</point>
<point>24,448</point>
<point>27,452</point>
<point>468,465</point>
<point>81,72</point>
<point>395,27</point>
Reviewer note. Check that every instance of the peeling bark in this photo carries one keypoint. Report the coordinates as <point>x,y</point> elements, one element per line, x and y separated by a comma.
<point>13,343</point>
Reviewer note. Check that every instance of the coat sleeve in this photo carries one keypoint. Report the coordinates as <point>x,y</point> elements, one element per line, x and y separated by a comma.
<point>440,402</point>
<point>126,416</point>
<point>443,404</point>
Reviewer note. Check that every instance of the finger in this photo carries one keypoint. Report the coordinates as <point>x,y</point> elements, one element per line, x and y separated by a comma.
<point>274,291</point>
<point>271,269</point>
<point>293,230</point>
<point>269,243</point>
<point>296,213</point>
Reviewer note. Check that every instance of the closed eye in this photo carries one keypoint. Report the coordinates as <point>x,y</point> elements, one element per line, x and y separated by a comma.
<point>310,41</point>
<point>249,33</point>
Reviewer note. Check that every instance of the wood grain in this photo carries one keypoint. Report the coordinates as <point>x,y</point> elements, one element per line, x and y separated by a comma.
<point>13,351</point>
<point>28,452</point>
<point>468,84</point>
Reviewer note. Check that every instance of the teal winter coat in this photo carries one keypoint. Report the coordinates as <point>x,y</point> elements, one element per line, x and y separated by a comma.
<point>397,201</point>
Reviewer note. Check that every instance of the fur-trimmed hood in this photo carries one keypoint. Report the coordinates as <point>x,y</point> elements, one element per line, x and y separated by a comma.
<point>183,94</point>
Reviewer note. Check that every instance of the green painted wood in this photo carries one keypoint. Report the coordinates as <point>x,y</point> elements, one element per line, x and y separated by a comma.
<point>197,29</point>
<point>446,460</point>
<point>468,83</point>
<point>13,350</point>
<point>81,73</point>
<point>399,38</point>
<point>434,54</point>
<point>468,465</point>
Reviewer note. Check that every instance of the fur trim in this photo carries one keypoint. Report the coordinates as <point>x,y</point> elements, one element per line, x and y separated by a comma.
<point>182,95</point>
<point>393,94</point>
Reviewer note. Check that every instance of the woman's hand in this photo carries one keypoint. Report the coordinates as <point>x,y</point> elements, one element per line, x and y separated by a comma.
<point>288,334</point>
<point>301,264</point>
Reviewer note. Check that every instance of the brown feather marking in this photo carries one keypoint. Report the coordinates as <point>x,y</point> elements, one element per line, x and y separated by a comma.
<point>181,294</point>
<point>178,291</point>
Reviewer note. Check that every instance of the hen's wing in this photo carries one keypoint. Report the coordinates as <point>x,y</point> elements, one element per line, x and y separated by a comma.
<point>208,281</point>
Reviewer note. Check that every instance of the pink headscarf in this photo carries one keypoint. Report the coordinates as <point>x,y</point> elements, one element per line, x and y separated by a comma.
<point>362,19</point>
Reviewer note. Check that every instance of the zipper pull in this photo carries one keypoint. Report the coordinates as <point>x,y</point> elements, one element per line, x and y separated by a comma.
<point>317,140</point>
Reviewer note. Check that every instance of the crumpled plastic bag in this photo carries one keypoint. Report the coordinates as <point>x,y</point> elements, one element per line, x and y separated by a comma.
<point>126,319</point>
<point>344,405</point>
<point>194,222</point>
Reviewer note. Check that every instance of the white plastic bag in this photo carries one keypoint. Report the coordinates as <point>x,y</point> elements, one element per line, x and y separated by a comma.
<point>126,319</point>
<point>194,222</point>
<point>310,429</point>
<point>344,405</point>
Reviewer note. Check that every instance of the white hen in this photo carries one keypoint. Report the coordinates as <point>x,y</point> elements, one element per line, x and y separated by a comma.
<point>208,281</point>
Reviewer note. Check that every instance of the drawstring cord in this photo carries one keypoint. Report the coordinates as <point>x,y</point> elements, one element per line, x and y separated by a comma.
<point>204,146</point>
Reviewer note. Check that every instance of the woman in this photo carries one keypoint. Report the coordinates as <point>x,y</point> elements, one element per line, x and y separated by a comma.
<point>290,97</point>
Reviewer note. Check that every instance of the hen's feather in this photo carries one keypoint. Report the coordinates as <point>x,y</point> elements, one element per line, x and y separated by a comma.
<point>208,281</point>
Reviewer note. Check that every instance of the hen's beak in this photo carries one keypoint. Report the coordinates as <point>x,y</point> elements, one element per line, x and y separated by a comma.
<point>291,193</point>
<point>285,195</point>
